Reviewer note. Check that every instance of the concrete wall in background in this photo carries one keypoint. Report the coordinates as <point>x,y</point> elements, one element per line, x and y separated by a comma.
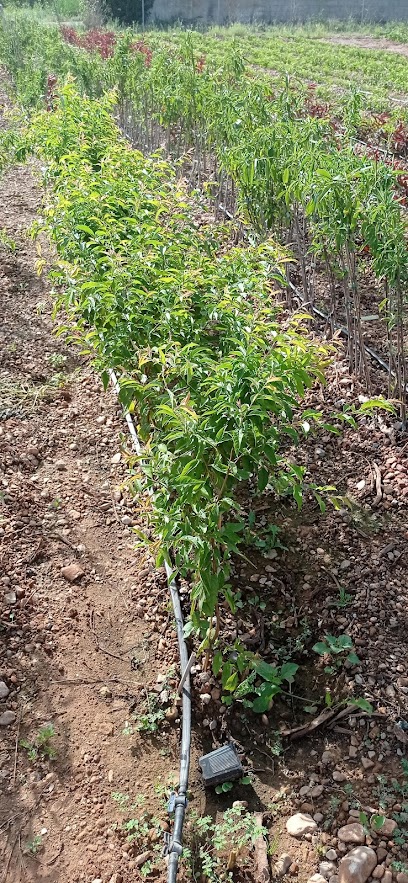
<point>202,12</point>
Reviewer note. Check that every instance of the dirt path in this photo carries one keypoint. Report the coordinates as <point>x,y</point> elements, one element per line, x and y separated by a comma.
<point>363,42</point>
<point>77,654</point>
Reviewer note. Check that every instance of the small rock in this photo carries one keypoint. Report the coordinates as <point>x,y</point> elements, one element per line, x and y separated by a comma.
<point>327,869</point>
<point>338,776</point>
<point>387,878</point>
<point>7,718</point>
<point>300,824</point>
<point>378,872</point>
<point>307,808</point>
<point>294,869</point>
<point>205,698</point>
<point>141,859</point>
<point>10,597</point>
<point>172,714</point>
<point>72,572</point>
<point>402,877</point>
<point>105,692</point>
<point>331,855</point>
<point>334,879</point>
<point>317,878</point>
<point>282,865</point>
<point>327,757</point>
<point>4,690</point>
<point>115,460</point>
<point>318,817</point>
<point>387,829</point>
<point>353,833</point>
<point>357,866</point>
<point>353,752</point>
<point>367,763</point>
<point>317,791</point>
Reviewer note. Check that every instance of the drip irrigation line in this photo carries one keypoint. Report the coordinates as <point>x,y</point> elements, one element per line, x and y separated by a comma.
<point>343,330</point>
<point>173,846</point>
<point>323,315</point>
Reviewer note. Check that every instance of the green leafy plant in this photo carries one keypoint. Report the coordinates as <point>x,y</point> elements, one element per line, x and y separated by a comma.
<point>214,381</point>
<point>6,241</point>
<point>216,849</point>
<point>228,786</point>
<point>123,801</point>
<point>344,598</point>
<point>34,846</point>
<point>141,829</point>
<point>41,748</point>
<point>149,721</point>
<point>56,360</point>
<point>264,537</point>
<point>338,649</point>
<point>375,822</point>
<point>247,678</point>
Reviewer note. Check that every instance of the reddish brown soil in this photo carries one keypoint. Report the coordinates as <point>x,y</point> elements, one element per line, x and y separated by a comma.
<point>62,642</point>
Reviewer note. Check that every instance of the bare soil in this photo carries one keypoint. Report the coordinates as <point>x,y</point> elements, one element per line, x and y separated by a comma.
<point>78,654</point>
<point>363,42</point>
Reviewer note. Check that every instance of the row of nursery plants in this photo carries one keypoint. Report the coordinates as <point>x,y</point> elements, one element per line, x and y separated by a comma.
<point>270,155</point>
<point>274,155</point>
<point>189,323</point>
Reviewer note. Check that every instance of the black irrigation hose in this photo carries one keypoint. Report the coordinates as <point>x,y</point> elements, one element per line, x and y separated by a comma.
<point>322,315</point>
<point>343,330</point>
<point>174,847</point>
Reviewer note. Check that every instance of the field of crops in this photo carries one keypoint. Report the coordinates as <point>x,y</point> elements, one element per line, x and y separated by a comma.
<point>310,199</point>
<point>224,208</point>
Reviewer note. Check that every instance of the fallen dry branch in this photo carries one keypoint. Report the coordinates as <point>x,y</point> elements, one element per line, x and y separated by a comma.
<point>262,872</point>
<point>306,729</point>
<point>378,485</point>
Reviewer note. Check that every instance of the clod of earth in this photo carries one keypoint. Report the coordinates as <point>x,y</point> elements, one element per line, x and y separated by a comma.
<point>141,859</point>
<point>72,572</point>
<point>282,866</point>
